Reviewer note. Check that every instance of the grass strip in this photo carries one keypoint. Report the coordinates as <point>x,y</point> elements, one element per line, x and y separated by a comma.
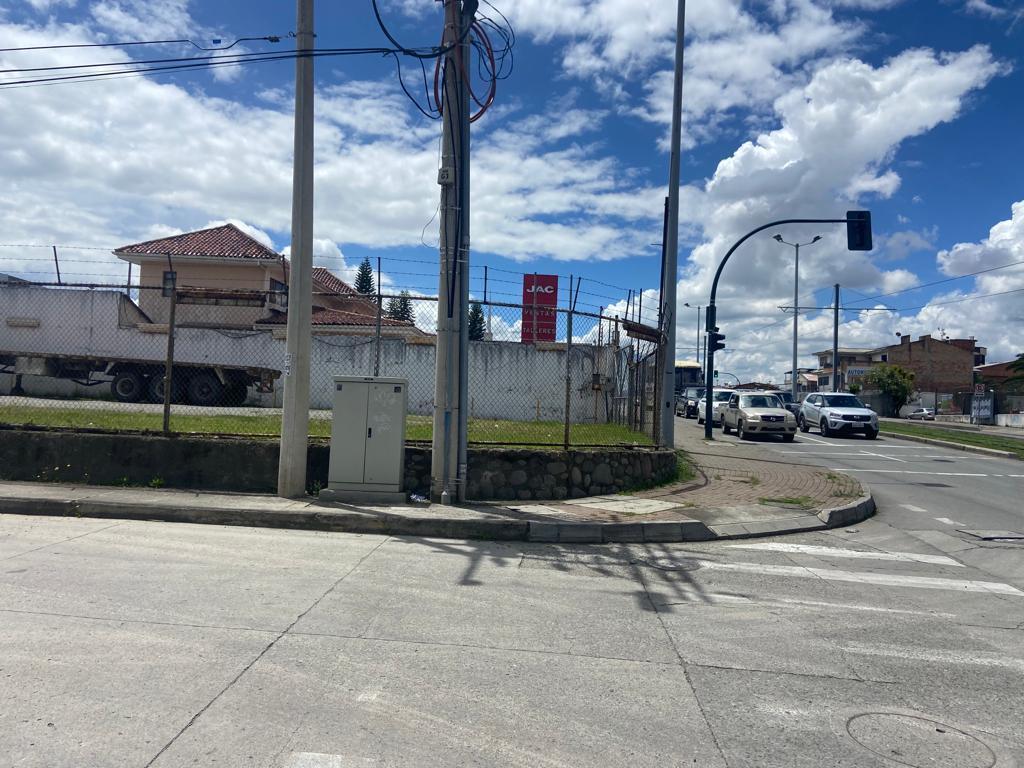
<point>979,439</point>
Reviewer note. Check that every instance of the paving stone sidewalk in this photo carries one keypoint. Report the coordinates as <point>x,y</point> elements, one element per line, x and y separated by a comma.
<point>737,491</point>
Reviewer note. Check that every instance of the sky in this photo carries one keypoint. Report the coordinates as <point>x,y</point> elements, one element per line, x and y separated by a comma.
<point>791,108</point>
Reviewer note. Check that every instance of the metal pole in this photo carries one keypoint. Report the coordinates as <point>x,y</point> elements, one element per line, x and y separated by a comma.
<point>291,473</point>
<point>796,314</point>
<point>671,270</point>
<point>169,364</point>
<point>568,364</point>
<point>698,336</point>
<point>380,310</point>
<point>490,331</point>
<point>835,343</point>
<point>56,263</point>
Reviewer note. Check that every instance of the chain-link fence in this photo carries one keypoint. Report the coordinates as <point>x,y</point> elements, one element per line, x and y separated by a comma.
<point>210,360</point>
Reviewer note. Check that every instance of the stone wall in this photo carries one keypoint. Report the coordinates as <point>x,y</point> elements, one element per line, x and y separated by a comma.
<point>250,466</point>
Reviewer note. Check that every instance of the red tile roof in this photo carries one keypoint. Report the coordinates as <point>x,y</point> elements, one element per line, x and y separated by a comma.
<point>224,242</point>
<point>337,317</point>
<point>330,283</point>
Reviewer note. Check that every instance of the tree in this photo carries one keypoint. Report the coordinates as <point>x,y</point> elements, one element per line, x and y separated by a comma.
<point>400,308</point>
<point>364,278</point>
<point>476,322</point>
<point>891,380</point>
<point>854,388</point>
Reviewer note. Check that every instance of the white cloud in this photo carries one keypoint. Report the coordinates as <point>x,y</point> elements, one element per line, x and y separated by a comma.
<point>899,245</point>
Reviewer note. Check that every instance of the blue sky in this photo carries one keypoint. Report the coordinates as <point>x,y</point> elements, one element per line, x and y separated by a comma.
<point>791,108</point>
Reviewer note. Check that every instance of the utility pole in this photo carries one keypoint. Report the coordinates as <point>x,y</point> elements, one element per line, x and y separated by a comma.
<point>291,472</point>
<point>448,460</point>
<point>835,342</point>
<point>670,268</point>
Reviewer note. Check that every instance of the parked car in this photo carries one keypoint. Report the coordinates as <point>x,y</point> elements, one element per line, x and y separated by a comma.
<point>925,414</point>
<point>788,402</point>
<point>758,413</point>
<point>686,404</point>
<point>837,413</point>
<point>719,398</point>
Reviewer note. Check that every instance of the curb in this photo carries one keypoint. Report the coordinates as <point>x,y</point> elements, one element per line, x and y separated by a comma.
<point>952,445</point>
<point>386,524</point>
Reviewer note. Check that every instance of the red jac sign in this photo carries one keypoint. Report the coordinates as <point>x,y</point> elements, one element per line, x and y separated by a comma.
<point>540,296</point>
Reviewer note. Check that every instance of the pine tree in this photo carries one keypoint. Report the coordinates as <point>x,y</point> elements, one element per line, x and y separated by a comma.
<point>392,309</point>
<point>364,278</point>
<point>405,311</point>
<point>476,322</point>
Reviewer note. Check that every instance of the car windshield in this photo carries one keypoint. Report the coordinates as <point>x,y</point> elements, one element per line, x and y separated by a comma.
<point>721,397</point>
<point>760,401</point>
<point>786,397</point>
<point>843,401</point>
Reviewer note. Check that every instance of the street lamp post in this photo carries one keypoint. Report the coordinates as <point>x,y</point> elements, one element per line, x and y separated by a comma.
<point>796,303</point>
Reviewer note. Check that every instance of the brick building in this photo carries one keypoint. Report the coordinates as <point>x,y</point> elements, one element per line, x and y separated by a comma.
<point>939,365</point>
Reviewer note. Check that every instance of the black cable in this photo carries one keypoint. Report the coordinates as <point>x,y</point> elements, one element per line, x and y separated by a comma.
<point>434,52</point>
<point>431,114</point>
<point>268,38</point>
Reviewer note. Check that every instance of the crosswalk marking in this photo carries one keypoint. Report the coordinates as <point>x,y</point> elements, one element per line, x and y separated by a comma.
<point>854,554</point>
<point>912,508</point>
<point>878,579</point>
<point>936,655</point>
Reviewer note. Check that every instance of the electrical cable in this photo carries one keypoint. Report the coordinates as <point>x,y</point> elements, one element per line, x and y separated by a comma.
<point>268,38</point>
<point>939,282</point>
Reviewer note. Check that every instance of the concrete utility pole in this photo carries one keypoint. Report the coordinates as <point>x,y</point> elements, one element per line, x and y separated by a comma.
<point>670,268</point>
<point>451,378</point>
<point>835,342</point>
<point>291,472</point>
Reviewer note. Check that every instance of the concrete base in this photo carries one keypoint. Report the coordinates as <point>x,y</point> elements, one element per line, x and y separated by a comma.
<point>362,497</point>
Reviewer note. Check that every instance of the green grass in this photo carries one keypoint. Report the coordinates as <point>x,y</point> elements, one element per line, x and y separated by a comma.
<point>417,427</point>
<point>964,437</point>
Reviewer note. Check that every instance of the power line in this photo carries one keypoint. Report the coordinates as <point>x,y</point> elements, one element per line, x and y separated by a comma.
<point>127,43</point>
<point>937,282</point>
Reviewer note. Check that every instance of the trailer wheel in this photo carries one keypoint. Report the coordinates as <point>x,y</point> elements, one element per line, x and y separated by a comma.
<point>128,386</point>
<point>205,389</point>
<point>155,388</point>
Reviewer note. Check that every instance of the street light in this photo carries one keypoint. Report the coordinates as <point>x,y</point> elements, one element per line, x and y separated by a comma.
<point>796,303</point>
<point>697,307</point>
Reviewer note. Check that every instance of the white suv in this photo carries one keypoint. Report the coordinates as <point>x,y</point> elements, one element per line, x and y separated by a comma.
<point>837,413</point>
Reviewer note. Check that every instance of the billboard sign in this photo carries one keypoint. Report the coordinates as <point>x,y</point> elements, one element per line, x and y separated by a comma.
<point>540,297</point>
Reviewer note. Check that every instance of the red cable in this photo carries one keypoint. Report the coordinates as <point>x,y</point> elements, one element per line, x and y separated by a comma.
<point>482,33</point>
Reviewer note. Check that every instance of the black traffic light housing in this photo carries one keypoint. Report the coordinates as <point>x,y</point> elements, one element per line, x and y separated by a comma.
<point>716,340</point>
<point>858,230</point>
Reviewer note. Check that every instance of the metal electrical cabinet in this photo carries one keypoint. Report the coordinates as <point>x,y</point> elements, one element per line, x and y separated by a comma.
<point>367,440</point>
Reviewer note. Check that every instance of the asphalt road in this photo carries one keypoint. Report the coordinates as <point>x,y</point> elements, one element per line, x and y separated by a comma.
<point>156,644</point>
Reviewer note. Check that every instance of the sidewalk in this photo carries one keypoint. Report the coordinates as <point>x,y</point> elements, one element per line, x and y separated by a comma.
<point>731,497</point>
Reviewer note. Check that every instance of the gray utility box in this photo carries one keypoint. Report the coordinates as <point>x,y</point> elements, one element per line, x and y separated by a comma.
<point>367,440</point>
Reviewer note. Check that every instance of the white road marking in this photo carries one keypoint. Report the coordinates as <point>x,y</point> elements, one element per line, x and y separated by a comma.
<point>982,659</point>
<point>909,472</point>
<point>320,760</point>
<point>815,440</point>
<point>947,521</point>
<point>853,554</point>
<point>912,508</point>
<point>881,456</point>
<point>863,455</point>
<point>860,577</point>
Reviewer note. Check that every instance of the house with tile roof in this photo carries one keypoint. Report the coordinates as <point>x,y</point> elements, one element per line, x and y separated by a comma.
<point>228,279</point>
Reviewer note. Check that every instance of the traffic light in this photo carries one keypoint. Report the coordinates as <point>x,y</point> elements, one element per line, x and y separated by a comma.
<point>716,374</point>
<point>858,230</point>
<point>716,340</point>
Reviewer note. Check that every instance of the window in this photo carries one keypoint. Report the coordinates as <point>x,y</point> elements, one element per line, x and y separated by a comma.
<point>843,401</point>
<point>761,401</point>
<point>170,281</point>
<point>278,293</point>
<point>733,401</point>
<point>823,381</point>
<point>885,357</point>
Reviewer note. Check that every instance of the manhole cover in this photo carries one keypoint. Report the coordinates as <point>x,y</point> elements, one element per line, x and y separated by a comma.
<point>918,741</point>
<point>669,563</point>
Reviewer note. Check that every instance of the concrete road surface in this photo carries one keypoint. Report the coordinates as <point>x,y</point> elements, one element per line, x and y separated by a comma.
<point>898,642</point>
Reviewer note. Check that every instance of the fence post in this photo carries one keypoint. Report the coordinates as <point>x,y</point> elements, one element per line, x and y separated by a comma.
<point>380,310</point>
<point>169,365</point>
<point>568,364</point>
<point>659,362</point>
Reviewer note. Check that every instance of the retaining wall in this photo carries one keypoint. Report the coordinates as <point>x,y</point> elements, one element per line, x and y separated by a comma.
<point>247,465</point>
